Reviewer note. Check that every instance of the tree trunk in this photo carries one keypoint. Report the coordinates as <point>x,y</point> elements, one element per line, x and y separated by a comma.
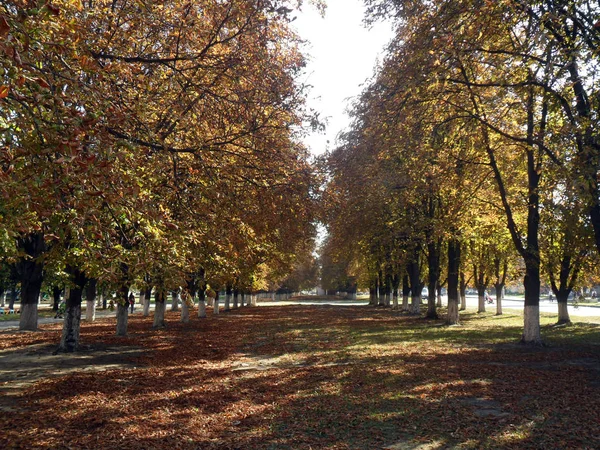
<point>90,297</point>
<point>30,268</point>
<point>381,289</point>
<point>481,301</point>
<point>13,297</point>
<point>453,281</point>
<point>416,287</point>
<point>72,322</point>
<point>56,291</point>
<point>202,308</point>
<point>531,317</point>
<point>463,292</point>
<point>498,301</point>
<point>143,298</point>
<point>122,318</point>
<point>228,293</point>
<point>405,292</point>
<point>216,303</point>
<point>253,300</point>
<point>433,263</point>
<point>563,310</point>
<point>159,308</point>
<point>185,311</point>
<point>123,308</point>
<point>236,296</point>
<point>147,298</point>
<point>175,300</point>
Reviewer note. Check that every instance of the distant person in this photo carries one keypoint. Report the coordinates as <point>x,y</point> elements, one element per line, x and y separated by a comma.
<point>488,298</point>
<point>131,301</point>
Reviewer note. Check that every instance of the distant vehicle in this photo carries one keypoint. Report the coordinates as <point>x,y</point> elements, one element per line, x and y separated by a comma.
<point>425,293</point>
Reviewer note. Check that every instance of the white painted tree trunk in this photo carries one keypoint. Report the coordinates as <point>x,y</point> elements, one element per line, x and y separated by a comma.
<point>146,305</point>
<point>253,300</point>
<point>185,312</point>
<point>387,299</point>
<point>395,297</point>
<point>3,299</point>
<point>563,313</point>
<point>216,306</point>
<point>453,316</point>
<point>210,302</point>
<point>122,317</point>
<point>142,297</point>
<point>175,300</point>
<point>416,304</point>
<point>404,302</point>
<point>499,304</point>
<point>481,304</point>
<point>439,300</point>
<point>100,300</point>
<point>227,302</point>
<point>159,315</point>
<point>463,302</point>
<point>531,328</point>
<point>202,309</point>
<point>90,310</point>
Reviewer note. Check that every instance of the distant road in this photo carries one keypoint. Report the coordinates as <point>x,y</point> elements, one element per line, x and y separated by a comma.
<point>509,302</point>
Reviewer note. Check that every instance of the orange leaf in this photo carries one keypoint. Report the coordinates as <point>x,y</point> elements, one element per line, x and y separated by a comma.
<point>4,27</point>
<point>4,90</point>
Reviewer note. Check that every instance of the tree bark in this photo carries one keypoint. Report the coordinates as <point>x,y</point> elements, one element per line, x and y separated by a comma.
<point>159,308</point>
<point>216,303</point>
<point>228,294</point>
<point>563,311</point>
<point>433,262</point>
<point>72,322</point>
<point>453,281</point>
<point>122,318</point>
<point>90,297</point>
<point>185,311</point>
<point>381,289</point>
<point>388,288</point>
<point>202,307</point>
<point>236,295</point>
<point>123,309</point>
<point>56,292</point>
<point>405,292</point>
<point>30,268</point>
<point>147,298</point>
<point>463,292</point>
<point>531,318</point>
<point>416,286</point>
<point>175,300</point>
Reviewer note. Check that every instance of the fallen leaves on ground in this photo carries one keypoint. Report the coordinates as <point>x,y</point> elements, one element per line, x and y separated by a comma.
<point>321,377</point>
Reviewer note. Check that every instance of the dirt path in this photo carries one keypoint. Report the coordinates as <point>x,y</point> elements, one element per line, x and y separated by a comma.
<point>22,367</point>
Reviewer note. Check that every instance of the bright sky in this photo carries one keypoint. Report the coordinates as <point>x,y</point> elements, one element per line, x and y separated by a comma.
<point>342,55</point>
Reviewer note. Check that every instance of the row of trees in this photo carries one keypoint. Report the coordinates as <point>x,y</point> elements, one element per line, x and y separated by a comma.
<point>154,143</point>
<point>477,140</point>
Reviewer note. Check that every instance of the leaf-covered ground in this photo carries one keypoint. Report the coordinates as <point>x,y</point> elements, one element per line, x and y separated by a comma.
<point>320,377</point>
